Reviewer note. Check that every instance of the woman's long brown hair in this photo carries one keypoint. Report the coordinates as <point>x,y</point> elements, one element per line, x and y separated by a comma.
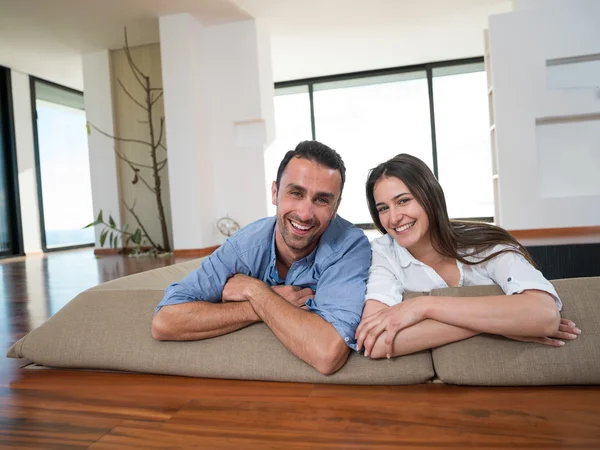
<point>453,238</point>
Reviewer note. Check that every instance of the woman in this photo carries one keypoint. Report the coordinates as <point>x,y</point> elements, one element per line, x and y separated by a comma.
<point>422,249</point>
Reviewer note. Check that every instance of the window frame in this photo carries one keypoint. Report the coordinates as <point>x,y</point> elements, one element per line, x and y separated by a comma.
<point>38,169</point>
<point>428,68</point>
<point>7,125</point>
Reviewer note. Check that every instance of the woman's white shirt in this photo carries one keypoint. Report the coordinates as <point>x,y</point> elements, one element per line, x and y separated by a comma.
<point>395,271</point>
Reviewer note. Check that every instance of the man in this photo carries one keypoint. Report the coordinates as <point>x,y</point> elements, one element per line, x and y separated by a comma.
<point>303,273</point>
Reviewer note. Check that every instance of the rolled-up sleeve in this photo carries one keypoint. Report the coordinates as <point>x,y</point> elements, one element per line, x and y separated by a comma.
<point>340,293</point>
<point>383,285</point>
<point>207,282</point>
<point>514,274</point>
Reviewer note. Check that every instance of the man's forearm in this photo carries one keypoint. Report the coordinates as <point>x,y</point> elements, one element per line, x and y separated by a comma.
<point>305,334</point>
<point>201,320</point>
<point>422,336</point>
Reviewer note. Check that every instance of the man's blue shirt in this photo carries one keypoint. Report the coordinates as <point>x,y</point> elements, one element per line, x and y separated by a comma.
<point>337,270</point>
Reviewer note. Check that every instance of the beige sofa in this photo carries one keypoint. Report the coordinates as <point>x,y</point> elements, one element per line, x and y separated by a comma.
<point>108,327</point>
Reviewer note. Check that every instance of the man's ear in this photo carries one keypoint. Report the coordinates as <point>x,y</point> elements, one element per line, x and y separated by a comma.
<point>274,193</point>
<point>336,208</point>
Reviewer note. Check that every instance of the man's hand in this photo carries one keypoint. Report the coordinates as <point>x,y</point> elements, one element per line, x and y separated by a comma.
<point>237,287</point>
<point>294,295</point>
<point>237,290</point>
<point>566,330</point>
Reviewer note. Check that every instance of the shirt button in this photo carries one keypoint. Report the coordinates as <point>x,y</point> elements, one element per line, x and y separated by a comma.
<point>346,338</point>
<point>509,279</point>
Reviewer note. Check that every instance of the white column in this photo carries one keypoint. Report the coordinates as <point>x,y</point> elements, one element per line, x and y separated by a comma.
<point>97,98</point>
<point>219,115</point>
<point>28,193</point>
<point>190,161</point>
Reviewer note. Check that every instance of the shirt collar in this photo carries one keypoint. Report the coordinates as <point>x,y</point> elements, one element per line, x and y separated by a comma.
<point>404,256</point>
<point>273,252</point>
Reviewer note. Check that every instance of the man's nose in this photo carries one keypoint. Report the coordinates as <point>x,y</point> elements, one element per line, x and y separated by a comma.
<point>305,210</point>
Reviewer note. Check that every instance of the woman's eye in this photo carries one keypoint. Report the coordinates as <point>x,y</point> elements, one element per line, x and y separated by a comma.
<point>403,201</point>
<point>381,209</point>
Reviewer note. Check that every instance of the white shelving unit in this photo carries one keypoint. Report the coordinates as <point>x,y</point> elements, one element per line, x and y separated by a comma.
<point>493,144</point>
<point>542,63</point>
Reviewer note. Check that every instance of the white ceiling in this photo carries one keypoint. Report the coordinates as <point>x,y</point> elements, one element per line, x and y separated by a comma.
<point>308,37</point>
<point>46,38</point>
<point>323,37</point>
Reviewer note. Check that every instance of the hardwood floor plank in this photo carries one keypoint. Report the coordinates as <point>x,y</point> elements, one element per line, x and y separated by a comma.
<point>99,404</point>
<point>247,437</point>
<point>31,427</point>
<point>157,385</point>
<point>145,424</point>
<point>344,416</point>
<point>539,412</point>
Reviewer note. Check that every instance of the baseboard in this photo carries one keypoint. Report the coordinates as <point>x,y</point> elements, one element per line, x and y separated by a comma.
<point>184,253</point>
<point>555,232</point>
<point>195,252</point>
<point>117,251</point>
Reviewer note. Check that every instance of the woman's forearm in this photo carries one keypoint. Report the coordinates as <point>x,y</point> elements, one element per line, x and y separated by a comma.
<point>532,313</point>
<point>422,336</point>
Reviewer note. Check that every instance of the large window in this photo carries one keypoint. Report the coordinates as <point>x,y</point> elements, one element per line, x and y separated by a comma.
<point>463,139</point>
<point>437,112</point>
<point>369,120</point>
<point>64,183</point>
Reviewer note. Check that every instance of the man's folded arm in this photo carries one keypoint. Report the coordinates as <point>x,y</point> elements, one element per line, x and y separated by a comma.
<point>192,308</point>
<point>323,335</point>
<point>196,320</point>
<point>307,335</point>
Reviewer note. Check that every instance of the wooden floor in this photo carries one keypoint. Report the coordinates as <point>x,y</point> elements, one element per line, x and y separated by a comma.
<point>50,409</point>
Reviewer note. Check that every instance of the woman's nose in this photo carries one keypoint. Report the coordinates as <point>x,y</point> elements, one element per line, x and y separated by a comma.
<point>395,217</point>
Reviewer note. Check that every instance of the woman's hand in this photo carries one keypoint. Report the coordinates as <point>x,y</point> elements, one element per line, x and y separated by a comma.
<point>566,330</point>
<point>391,321</point>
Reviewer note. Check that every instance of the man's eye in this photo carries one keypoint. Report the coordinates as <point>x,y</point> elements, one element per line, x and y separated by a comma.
<point>295,193</point>
<point>323,200</point>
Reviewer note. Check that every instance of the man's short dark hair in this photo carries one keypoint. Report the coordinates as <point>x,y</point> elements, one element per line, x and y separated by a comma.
<point>317,152</point>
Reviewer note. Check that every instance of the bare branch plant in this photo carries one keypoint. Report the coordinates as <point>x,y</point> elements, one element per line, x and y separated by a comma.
<point>139,236</point>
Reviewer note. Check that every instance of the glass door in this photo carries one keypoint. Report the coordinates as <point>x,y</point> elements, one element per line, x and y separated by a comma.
<point>64,183</point>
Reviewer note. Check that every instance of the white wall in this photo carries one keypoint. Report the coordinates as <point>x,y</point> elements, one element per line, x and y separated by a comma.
<point>330,37</point>
<point>548,138</point>
<point>99,110</point>
<point>218,103</point>
<point>28,190</point>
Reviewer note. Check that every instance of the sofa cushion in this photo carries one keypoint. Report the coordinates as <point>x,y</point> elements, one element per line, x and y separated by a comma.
<point>159,278</point>
<point>487,360</point>
<point>109,329</point>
